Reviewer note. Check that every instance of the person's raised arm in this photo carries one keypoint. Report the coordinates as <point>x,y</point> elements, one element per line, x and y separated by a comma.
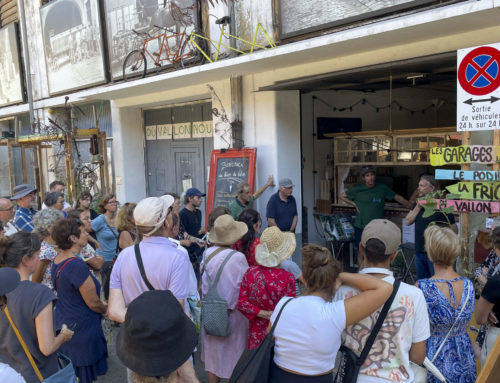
<point>403,201</point>
<point>374,293</point>
<point>89,295</point>
<point>269,183</point>
<point>44,325</point>
<point>117,308</point>
<point>344,198</point>
<point>412,215</point>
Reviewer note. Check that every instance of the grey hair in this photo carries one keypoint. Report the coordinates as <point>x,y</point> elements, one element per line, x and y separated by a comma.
<point>44,219</point>
<point>51,198</point>
<point>240,188</point>
<point>430,178</point>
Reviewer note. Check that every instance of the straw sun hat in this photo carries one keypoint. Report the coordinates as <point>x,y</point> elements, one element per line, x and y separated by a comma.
<point>227,231</point>
<point>275,246</point>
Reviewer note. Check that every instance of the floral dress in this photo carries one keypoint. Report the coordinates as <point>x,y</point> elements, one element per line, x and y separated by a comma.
<point>261,289</point>
<point>456,359</point>
<point>250,252</point>
<point>48,252</point>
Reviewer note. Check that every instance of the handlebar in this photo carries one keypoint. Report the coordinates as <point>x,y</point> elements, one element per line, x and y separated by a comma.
<point>164,28</point>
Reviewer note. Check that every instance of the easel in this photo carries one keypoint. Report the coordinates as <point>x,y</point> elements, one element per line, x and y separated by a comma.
<point>491,371</point>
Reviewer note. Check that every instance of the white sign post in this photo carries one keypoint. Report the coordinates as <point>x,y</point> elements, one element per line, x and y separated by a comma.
<point>478,88</point>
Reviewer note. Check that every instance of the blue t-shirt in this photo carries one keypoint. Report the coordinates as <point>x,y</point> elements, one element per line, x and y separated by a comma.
<point>107,236</point>
<point>282,212</point>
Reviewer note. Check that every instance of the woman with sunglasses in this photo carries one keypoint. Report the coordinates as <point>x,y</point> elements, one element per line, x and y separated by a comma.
<point>107,236</point>
<point>78,301</point>
<point>30,306</point>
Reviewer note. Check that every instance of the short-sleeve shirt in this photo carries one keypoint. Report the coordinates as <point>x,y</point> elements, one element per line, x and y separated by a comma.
<point>491,293</point>
<point>370,202</point>
<point>282,212</point>
<point>48,253</point>
<point>191,220</point>
<point>166,267</point>
<point>25,303</point>
<point>407,322</point>
<point>308,333</point>
<point>23,219</point>
<point>237,207</point>
<point>421,224</point>
<point>107,236</point>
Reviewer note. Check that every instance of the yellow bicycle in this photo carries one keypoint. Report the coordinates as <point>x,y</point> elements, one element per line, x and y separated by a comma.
<point>196,38</point>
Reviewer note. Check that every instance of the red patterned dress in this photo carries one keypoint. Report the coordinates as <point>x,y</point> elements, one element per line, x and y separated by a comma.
<point>255,295</point>
<point>250,252</point>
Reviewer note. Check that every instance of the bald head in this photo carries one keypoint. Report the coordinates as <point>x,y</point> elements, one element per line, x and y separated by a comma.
<point>6,210</point>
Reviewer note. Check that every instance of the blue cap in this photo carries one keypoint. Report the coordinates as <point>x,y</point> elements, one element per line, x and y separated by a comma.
<point>193,192</point>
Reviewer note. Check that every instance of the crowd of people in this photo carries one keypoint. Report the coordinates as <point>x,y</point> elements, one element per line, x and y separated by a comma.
<point>153,269</point>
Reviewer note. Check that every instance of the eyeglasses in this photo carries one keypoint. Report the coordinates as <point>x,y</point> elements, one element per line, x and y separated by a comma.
<point>113,202</point>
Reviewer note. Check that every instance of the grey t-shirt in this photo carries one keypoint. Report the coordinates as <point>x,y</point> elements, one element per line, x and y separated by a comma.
<point>25,303</point>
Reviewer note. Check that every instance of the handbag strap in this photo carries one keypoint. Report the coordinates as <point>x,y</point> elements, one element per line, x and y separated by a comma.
<point>378,324</point>
<point>265,285</point>
<point>61,269</point>
<point>141,267</point>
<point>23,345</point>
<point>453,325</point>
<point>278,317</point>
<point>209,258</point>
<point>219,272</point>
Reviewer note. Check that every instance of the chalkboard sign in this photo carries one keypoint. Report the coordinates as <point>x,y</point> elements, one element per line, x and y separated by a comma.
<point>227,169</point>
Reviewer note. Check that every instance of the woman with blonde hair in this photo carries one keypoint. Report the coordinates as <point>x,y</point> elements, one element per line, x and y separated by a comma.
<point>308,333</point>
<point>450,303</point>
<point>125,225</point>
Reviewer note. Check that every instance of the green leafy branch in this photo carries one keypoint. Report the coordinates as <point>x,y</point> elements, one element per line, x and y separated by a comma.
<point>431,205</point>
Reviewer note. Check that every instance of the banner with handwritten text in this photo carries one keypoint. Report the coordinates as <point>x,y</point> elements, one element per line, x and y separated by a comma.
<point>464,154</point>
<point>464,206</point>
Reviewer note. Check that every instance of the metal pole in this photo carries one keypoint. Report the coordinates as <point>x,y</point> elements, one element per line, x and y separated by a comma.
<point>26,60</point>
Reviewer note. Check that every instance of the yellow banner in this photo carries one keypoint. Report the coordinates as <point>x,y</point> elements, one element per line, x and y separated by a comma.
<point>465,154</point>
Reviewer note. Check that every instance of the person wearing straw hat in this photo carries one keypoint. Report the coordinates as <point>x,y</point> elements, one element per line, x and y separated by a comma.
<point>157,340</point>
<point>264,284</point>
<point>25,196</point>
<point>220,355</point>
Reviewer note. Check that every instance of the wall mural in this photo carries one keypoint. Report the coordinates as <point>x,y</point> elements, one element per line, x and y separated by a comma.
<point>124,16</point>
<point>11,82</point>
<point>73,44</point>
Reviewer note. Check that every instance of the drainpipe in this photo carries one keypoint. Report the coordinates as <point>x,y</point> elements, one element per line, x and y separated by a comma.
<point>26,59</point>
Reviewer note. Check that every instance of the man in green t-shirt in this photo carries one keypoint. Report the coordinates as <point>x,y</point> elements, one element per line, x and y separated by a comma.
<point>244,197</point>
<point>369,200</point>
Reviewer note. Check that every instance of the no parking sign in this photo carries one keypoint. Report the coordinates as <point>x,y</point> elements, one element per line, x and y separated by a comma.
<point>478,88</point>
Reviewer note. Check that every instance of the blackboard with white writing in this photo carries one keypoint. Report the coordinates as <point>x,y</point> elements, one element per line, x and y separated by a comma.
<point>230,172</point>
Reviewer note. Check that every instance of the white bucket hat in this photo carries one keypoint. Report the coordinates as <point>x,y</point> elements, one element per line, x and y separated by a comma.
<point>152,211</point>
<point>275,246</point>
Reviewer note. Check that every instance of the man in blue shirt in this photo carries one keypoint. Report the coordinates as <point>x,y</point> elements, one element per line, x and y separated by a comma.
<point>282,209</point>
<point>25,196</point>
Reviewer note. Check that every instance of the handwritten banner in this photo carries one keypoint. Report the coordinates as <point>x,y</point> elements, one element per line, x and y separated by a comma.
<point>182,130</point>
<point>476,190</point>
<point>462,206</point>
<point>464,154</point>
<point>468,175</point>
<point>150,132</point>
<point>164,132</point>
<point>202,129</point>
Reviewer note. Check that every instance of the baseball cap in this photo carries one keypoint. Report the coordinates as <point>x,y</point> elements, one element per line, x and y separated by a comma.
<point>152,211</point>
<point>194,192</point>
<point>367,169</point>
<point>286,183</point>
<point>385,231</point>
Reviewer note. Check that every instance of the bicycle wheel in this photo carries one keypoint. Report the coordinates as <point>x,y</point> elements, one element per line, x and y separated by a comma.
<point>190,55</point>
<point>134,65</point>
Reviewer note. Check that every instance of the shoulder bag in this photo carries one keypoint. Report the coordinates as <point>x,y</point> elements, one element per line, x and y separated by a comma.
<point>214,309</point>
<point>66,372</point>
<point>350,362</point>
<point>421,372</point>
<point>254,365</point>
<point>141,267</point>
